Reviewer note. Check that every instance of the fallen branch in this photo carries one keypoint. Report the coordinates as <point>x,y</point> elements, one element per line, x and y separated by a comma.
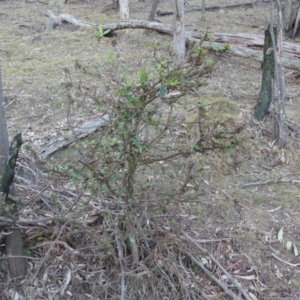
<point>73,136</point>
<point>121,261</point>
<point>270,181</point>
<point>8,221</point>
<point>66,18</point>
<point>213,278</point>
<point>213,259</point>
<point>243,45</point>
<point>285,262</point>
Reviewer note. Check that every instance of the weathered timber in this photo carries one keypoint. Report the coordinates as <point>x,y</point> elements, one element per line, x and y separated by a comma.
<point>243,45</point>
<point>266,91</point>
<point>73,136</point>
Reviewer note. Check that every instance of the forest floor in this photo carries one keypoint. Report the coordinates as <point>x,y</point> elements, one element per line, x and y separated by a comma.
<point>244,202</point>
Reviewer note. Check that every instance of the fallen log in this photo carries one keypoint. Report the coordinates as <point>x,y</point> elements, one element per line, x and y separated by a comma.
<point>243,45</point>
<point>66,18</point>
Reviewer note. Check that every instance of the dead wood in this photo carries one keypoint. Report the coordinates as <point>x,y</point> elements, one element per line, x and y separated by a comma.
<point>222,284</point>
<point>66,18</point>
<point>243,45</point>
<point>73,136</point>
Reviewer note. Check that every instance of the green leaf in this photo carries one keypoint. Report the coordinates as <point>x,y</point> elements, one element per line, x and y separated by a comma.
<point>143,77</point>
<point>197,148</point>
<point>209,63</point>
<point>162,91</point>
<point>63,207</point>
<point>100,29</point>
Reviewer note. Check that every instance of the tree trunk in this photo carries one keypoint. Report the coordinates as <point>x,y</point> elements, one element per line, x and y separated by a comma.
<point>291,18</point>
<point>152,14</point>
<point>13,241</point>
<point>179,30</point>
<point>268,66</point>
<point>124,9</point>
<point>203,8</point>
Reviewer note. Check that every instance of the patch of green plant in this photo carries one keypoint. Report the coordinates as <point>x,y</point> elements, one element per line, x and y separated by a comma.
<point>100,33</point>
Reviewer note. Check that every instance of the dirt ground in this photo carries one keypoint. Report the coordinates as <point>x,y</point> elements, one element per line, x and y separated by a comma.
<point>241,210</point>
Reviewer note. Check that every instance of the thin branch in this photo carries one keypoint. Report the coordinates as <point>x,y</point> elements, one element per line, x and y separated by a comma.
<point>27,222</point>
<point>212,277</point>
<point>121,260</point>
<point>49,250</point>
<point>285,262</point>
<point>149,161</point>
<point>268,182</point>
<point>203,250</point>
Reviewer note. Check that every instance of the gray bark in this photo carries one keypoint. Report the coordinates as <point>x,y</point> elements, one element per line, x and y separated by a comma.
<point>152,14</point>
<point>124,9</point>
<point>13,241</point>
<point>179,30</point>
<point>266,91</point>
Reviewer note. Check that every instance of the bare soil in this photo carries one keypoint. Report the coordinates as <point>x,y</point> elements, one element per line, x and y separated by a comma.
<point>236,222</point>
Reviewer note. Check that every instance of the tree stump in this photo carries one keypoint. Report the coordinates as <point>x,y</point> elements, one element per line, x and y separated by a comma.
<point>268,66</point>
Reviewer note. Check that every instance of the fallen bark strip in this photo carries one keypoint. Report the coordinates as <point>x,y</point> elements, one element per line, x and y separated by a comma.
<point>214,7</point>
<point>243,45</point>
<point>75,135</point>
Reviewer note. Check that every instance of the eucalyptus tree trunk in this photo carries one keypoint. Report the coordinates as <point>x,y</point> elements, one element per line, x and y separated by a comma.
<point>203,8</point>
<point>13,241</point>
<point>291,17</point>
<point>124,9</point>
<point>179,29</point>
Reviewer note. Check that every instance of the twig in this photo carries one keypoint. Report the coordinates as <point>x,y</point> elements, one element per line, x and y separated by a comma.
<point>212,277</point>
<point>268,182</point>
<point>25,222</point>
<point>121,260</point>
<point>235,283</point>
<point>73,251</point>
<point>187,178</point>
<point>49,250</point>
<point>285,262</point>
